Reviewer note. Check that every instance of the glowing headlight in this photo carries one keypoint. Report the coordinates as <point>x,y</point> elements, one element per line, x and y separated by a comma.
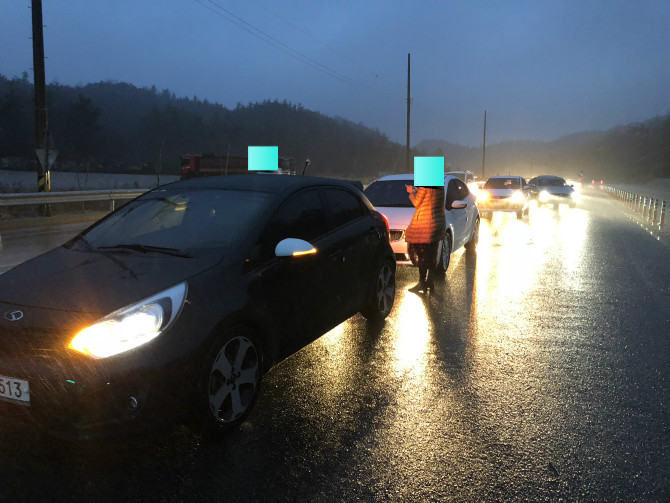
<point>575,196</point>
<point>131,326</point>
<point>516,197</point>
<point>544,196</point>
<point>482,195</point>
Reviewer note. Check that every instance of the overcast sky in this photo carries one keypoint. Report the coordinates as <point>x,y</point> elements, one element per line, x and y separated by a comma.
<point>541,69</point>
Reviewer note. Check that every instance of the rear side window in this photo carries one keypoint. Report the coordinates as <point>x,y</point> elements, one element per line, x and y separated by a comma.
<point>456,190</point>
<point>342,207</point>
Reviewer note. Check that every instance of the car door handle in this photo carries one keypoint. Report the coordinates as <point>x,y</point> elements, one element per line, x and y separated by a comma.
<point>337,256</point>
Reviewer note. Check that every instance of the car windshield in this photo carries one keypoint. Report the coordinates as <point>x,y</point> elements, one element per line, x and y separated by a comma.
<point>502,183</point>
<point>389,193</point>
<point>551,182</point>
<point>166,221</point>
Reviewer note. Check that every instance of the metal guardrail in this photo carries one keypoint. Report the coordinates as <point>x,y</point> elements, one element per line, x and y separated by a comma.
<point>36,198</point>
<point>651,209</point>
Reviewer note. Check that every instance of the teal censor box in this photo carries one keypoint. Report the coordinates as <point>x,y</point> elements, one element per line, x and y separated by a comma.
<point>429,171</point>
<point>263,158</point>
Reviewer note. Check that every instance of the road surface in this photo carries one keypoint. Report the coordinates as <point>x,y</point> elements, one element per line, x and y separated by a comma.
<point>538,371</point>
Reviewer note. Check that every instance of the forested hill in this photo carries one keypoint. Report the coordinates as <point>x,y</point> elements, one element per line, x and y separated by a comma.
<point>113,126</point>
<point>640,151</point>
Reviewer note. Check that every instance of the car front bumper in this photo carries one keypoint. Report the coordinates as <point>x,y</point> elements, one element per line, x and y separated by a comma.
<point>78,398</point>
<point>502,204</point>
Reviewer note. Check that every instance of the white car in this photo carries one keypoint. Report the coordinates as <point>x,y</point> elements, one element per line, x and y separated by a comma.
<point>504,193</point>
<point>389,196</point>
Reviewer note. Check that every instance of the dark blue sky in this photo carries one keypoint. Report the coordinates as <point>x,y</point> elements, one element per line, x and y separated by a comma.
<point>540,68</point>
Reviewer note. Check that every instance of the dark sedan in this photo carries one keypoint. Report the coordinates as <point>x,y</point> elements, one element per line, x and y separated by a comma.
<point>172,307</point>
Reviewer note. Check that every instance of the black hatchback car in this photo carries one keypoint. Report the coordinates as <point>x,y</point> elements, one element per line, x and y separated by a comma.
<point>173,306</point>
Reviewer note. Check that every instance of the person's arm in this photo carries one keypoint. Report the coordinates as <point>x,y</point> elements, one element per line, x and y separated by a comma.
<point>417,195</point>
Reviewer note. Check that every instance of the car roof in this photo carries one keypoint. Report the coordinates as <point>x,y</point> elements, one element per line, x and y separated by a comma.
<point>505,176</point>
<point>553,177</point>
<point>406,176</point>
<point>258,182</point>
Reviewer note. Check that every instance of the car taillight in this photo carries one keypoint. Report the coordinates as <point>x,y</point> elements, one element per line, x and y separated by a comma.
<point>380,217</point>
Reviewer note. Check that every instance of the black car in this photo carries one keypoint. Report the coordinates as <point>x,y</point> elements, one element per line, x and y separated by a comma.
<point>173,306</point>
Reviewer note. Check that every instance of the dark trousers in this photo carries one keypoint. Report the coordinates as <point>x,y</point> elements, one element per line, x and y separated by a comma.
<point>424,256</point>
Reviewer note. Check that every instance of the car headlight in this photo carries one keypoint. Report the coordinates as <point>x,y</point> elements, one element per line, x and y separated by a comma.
<point>575,196</point>
<point>544,196</point>
<point>131,326</point>
<point>482,195</point>
<point>517,196</point>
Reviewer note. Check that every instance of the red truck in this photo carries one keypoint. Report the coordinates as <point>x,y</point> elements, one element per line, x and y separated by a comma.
<point>193,165</point>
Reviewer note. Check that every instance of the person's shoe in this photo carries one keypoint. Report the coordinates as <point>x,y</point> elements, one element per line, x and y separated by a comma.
<point>419,287</point>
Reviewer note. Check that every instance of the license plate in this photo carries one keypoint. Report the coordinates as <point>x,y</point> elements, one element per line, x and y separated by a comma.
<point>15,390</point>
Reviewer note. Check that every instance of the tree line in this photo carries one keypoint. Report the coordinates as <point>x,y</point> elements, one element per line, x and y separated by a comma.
<point>117,127</point>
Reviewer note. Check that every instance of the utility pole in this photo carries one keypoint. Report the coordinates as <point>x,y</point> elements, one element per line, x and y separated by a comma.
<point>484,148</point>
<point>41,121</point>
<point>409,100</point>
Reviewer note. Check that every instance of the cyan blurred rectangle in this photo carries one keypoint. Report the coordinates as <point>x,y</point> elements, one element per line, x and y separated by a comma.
<point>263,158</point>
<point>429,171</point>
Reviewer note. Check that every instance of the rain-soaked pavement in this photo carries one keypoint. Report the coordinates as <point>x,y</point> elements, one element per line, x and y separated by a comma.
<point>539,370</point>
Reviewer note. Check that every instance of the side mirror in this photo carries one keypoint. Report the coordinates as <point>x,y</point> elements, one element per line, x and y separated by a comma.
<point>293,247</point>
<point>459,205</point>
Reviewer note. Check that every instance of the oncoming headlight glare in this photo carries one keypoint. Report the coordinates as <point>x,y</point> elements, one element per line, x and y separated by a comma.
<point>131,326</point>
<point>544,196</point>
<point>517,196</point>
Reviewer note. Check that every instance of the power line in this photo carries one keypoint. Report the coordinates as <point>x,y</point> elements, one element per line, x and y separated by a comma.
<point>277,44</point>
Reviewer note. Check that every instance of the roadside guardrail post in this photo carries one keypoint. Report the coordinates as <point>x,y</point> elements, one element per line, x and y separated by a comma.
<point>661,222</point>
<point>646,208</point>
<point>653,220</point>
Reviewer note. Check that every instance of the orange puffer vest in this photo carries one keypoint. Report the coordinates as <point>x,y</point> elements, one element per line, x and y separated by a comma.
<point>428,223</point>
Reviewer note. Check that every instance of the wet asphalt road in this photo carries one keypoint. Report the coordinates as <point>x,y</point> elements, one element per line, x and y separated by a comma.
<point>539,370</point>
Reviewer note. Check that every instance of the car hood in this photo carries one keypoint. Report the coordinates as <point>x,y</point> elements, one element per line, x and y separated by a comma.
<point>93,282</point>
<point>399,218</point>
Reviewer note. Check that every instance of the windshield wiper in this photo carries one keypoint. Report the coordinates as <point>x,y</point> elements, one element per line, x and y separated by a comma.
<point>147,249</point>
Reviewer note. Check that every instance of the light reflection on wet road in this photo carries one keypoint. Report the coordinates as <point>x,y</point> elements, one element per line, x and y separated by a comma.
<point>537,371</point>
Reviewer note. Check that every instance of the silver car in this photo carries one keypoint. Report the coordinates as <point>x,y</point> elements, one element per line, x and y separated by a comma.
<point>552,190</point>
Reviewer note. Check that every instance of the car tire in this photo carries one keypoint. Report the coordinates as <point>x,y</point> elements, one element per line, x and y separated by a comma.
<point>383,294</point>
<point>471,245</point>
<point>230,381</point>
<point>444,258</point>
<point>519,214</point>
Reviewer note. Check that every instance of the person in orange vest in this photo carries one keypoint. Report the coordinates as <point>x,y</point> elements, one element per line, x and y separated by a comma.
<point>425,232</point>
